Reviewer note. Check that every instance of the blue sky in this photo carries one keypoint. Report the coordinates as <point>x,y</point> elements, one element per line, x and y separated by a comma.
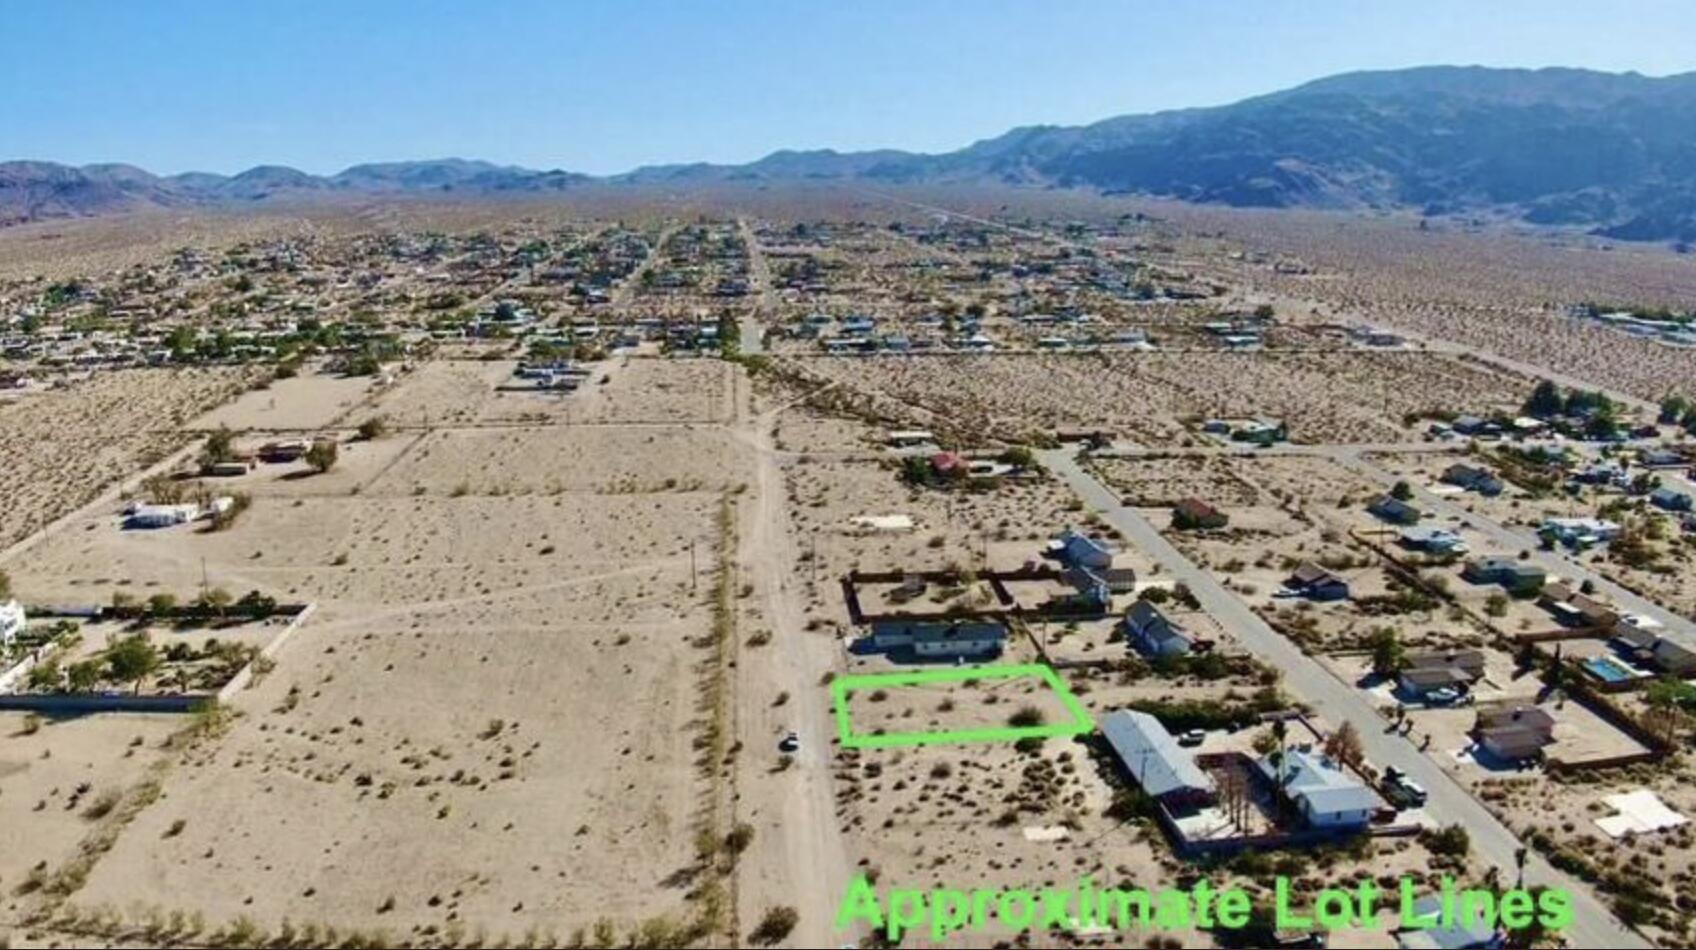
<point>175,85</point>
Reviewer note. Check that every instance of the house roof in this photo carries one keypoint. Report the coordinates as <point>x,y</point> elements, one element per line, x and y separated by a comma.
<point>1673,656</point>
<point>1150,621</point>
<point>1310,573</point>
<point>1151,755</point>
<point>1514,742</point>
<point>1082,547</point>
<point>1516,715</point>
<point>1467,928</point>
<point>1469,663</point>
<point>1432,677</point>
<point>1316,781</point>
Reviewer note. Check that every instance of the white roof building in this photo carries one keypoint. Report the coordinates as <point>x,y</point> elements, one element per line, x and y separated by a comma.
<point>11,621</point>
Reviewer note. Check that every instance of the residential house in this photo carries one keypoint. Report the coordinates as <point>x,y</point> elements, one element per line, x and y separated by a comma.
<point>1514,732</point>
<point>1155,761</point>
<point>1193,513</point>
<point>12,621</point>
<point>159,516</point>
<point>1325,794</point>
<point>1645,647</point>
<point>1662,458</point>
<point>1152,633</point>
<point>1470,927</point>
<point>909,438</point>
<point>1472,478</point>
<point>1440,669</point>
<point>1432,540</point>
<point>1516,577</point>
<point>1317,583</point>
<point>940,639</point>
<point>1602,473</point>
<point>1259,432</point>
<point>1574,608</point>
<point>1476,426</point>
<point>1394,510</point>
<point>1579,532</point>
<point>1073,547</point>
<point>1670,499</point>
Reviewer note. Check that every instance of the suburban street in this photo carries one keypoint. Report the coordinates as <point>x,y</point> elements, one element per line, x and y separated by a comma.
<point>1678,629</point>
<point>1336,701</point>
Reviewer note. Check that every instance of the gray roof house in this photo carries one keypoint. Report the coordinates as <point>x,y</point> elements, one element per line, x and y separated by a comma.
<point>1155,760</point>
<point>1327,796</point>
<point>1473,478</point>
<point>1394,510</point>
<point>1152,633</point>
<point>1455,669</point>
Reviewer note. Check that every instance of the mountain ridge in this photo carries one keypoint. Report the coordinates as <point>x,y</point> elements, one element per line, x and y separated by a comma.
<point>1614,153</point>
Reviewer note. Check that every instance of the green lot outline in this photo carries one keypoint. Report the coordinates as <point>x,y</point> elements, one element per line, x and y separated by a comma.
<point>843,685</point>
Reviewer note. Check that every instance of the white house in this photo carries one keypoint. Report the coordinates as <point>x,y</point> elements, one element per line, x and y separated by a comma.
<point>160,516</point>
<point>1327,796</point>
<point>11,621</point>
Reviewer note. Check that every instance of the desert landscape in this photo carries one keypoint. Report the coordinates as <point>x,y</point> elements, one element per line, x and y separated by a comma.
<point>445,575</point>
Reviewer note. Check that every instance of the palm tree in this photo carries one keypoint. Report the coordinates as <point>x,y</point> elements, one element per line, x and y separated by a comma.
<point>1519,855</point>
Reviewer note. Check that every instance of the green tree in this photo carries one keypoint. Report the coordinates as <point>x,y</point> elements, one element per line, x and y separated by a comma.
<point>1545,400</point>
<point>5,586</point>
<point>1401,491</point>
<point>1387,653</point>
<point>44,676</point>
<point>220,447</point>
<point>132,659</point>
<point>217,600</point>
<point>322,456</point>
<point>373,428</point>
<point>83,677</point>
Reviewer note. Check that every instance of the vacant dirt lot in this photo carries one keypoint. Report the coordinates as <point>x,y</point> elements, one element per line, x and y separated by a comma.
<point>1341,396</point>
<point>63,446</point>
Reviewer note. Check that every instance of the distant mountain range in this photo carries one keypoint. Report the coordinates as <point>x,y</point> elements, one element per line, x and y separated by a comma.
<point>1613,153</point>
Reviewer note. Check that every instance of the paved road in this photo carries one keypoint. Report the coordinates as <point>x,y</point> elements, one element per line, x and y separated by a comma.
<point>1337,702</point>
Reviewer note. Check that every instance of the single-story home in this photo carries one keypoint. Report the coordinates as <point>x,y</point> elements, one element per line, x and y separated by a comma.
<point>1516,577</point>
<point>12,621</point>
<point>1153,759</point>
<point>1474,425</point>
<point>1151,632</point>
<point>1394,510</point>
<point>1579,532</point>
<point>1662,458</point>
<point>1080,549</point>
<point>1432,540</point>
<point>1325,794</point>
<point>1514,732</point>
<point>1464,929</point>
<point>1669,657</point>
<point>940,639</point>
<point>159,516</point>
<point>1317,583</point>
<point>1440,669</point>
<point>1670,499</point>
<point>1473,478</point>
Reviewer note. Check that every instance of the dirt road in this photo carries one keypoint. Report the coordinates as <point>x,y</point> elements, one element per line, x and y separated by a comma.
<point>798,857</point>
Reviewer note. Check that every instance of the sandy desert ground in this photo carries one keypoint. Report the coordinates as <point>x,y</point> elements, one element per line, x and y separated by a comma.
<point>62,447</point>
<point>1321,397</point>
